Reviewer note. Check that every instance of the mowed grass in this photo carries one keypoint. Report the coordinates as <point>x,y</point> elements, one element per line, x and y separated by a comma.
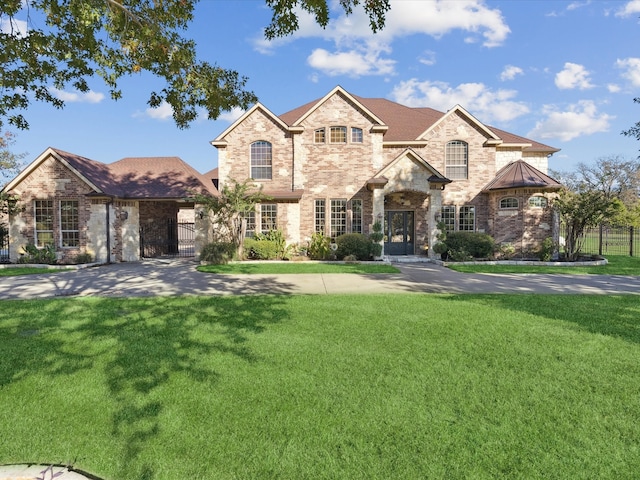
<point>617,265</point>
<point>297,267</point>
<point>324,387</point>
<point>15,271</point>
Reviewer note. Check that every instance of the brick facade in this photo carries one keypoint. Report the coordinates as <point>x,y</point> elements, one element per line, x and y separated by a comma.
<point>342,170</point>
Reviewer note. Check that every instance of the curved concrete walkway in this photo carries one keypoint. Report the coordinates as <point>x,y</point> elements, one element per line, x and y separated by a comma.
<point>180,277</point>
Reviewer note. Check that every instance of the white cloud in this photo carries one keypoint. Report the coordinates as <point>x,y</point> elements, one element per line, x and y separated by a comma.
<point>352,63</point>
<point>631,67</point>
<point>232,115</point>
<point>486,104</point>
<point>629,9</point>
<point>613,88</point>
<point>510,72</point>
<point>354,42</point>
<point>573,76</point>
<point>428,57</point>
<point>13,26</point>
<point>163,112</point>
<point>77,97</point>
<point>578,120</point>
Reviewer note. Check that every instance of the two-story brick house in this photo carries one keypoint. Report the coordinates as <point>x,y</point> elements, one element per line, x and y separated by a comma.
<point>341,163</point>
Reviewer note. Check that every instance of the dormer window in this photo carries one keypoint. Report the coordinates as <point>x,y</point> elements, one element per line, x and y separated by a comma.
<point>338,135</point>
<point>319,135</point>
<point>261,160</point>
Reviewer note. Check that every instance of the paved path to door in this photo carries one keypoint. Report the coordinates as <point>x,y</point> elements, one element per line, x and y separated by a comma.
<point>180,277</point>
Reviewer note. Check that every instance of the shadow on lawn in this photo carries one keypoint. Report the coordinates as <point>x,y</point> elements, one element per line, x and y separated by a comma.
<point>141,344</point>
<point>617,316</point>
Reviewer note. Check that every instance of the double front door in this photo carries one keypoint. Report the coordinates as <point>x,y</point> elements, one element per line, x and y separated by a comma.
<point>399,233</point>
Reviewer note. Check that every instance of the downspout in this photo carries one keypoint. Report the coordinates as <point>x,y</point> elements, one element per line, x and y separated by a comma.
<point>108,204</point>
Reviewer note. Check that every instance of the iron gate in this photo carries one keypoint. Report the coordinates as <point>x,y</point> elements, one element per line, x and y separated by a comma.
<point>167,239</point>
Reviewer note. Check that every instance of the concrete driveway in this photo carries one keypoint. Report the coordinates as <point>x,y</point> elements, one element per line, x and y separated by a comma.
<point>180,277</point>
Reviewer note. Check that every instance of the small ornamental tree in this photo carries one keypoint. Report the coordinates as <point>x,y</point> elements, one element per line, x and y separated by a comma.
<point>579,211</point>
<point>229,210</point>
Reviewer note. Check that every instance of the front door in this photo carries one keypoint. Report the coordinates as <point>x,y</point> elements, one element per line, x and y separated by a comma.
<point>398,233</point>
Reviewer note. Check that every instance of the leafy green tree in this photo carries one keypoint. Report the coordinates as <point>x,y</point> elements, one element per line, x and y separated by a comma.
<point>79,39</point>
<point>10,163</point>
<point>635,130</point>
<point>581,210</point>
<point>229,210</point>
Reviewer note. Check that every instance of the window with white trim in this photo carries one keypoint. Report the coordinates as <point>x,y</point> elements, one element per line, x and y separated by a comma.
<point>457,160</point>
<point>319,216</point>
<point>467,218</point>
<point>261,160</point>
<point>69,223</point>
<point>509,203</point>
<point>319,135</point>
<point>448,217</point>
<point>338,135</point>
<point>356,215</point>
<point>356,135</point>
<point>250,217</point>
<point>268,217</point>
<point>338,217</point>
<point>538,201</point>
<point>43,212</point>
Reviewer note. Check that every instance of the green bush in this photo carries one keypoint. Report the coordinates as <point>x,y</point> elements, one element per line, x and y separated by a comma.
<point>319,246</point>
<point>354,244</point>
<point>260,249</point>
<point>469,245</point>
<point>45,255</point>
<point>546,249</point>
<point>376,236</point>
<point>276,237</point>
<point>218,253</point>
<point>83,258</point>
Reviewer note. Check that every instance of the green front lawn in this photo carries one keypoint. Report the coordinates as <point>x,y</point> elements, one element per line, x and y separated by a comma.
<point>14,271</point>
<point>617,265</point>
<point>312,387</point>
<point>297,267</point>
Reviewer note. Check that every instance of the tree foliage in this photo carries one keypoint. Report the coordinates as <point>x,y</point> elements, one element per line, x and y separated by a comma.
<point>10,163</point>
<point>65,43</point>
<point>581,210</point>
<point>228,211</point>
<point>635,130</point>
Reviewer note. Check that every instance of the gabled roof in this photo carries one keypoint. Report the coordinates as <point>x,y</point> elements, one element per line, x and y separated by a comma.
<point>520,174</point>
<point>408,125</point>
<point>133,178</point>
<point>380,179</point>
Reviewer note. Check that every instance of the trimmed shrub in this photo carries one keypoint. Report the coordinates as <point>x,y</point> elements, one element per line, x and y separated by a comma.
<point>46,255</point>
<point>354,244</point>
<point>83,258</point>
<point>469,244</point>
<point>257,249</point>
<point>218,252</point>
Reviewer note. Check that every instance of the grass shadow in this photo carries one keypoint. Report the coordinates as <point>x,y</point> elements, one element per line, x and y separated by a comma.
<point>137,347</point>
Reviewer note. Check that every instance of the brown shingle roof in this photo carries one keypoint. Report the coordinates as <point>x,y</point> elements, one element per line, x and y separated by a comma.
<point>520,174</point>
<point>142,177</point>
<point>406,124</point>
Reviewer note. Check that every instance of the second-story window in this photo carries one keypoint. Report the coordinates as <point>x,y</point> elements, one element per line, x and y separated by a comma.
<point>356,135</point>
<point>338,135</point>
<point>457,160</point>
<point>319,135</point>
<point>261,160</point>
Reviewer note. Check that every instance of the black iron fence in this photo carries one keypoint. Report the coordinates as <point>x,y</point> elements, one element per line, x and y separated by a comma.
<point>608,240</point>
<point>4,244</point>
<point>167,239</point>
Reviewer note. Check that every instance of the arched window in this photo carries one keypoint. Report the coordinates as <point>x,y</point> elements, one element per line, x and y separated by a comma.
<point>261,160</point>
<point>509,202</point>
<point>457,160</point>
<point>538,201</point>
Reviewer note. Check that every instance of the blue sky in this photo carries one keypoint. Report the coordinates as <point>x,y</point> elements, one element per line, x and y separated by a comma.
<point>563,73</point>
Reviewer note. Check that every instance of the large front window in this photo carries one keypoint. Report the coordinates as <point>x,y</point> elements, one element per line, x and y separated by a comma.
<point>448,217</point>
<point>261,160</point>
<point>268,217</point>
<point>319,216</point>
<point>356,216</point>
<point>43,210</point>
<point>338,217</point>
<point>467,219</point>
<point>457,160</point>
<point>69,225</point>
